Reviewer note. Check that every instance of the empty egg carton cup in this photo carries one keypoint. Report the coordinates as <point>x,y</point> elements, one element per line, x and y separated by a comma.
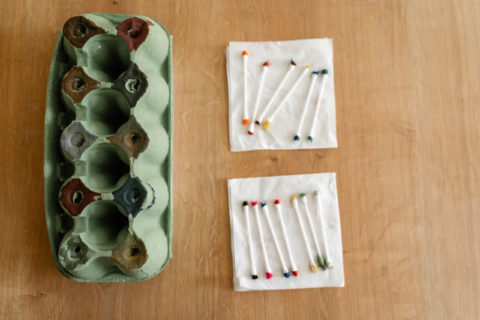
<point>108,148</point>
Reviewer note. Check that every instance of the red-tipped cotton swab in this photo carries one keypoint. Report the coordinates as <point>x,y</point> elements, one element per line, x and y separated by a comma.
<point>285,237</point>
<point>280,86</point>
<point>251,129</point>
<point>268,273</point>
<point>317,107</point>
<point>313,266</point>
<point>245,89</point>
<point>249,239</point>
<point>286,274</point>
<point>269,120</point>
<point>305,106</point>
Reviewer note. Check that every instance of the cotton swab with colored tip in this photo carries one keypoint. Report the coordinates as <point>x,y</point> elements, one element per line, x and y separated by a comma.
<point>286,274</point>
<point>313,266</point>
<point>269,273</point>
<point>323,235</point>
<point>280,86</point>
<point>324,73</point>
<point>245,89</point>
<point>305,106</point>
<point>251,130</point>
<point>269,120</point>
<point>249,239</point>
<point>321,261</point>
<point>285,237</point>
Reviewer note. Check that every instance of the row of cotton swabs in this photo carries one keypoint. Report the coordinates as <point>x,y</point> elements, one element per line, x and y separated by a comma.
<point>269,117</point>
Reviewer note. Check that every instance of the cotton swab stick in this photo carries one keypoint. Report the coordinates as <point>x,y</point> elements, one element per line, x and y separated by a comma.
<point>249,239</point>
<point>285,237</point>
<point>251,130</point>
<point>313,266</point>
<point>321,262</point>
<point>305,106</point>
<point>324,73</point>
<point>245,89</point>
<point>269,273</point>
<point>280,86</point>
<point>323,235</point>
<point>269,120</point>
<point>286,274</point>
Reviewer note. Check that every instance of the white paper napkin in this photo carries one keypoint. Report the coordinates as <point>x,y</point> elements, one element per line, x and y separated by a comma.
<point>268,189</point>
<point>318,53</point>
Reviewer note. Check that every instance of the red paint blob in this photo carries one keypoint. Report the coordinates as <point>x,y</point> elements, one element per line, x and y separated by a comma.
<point>254,203</point>
<point>277,201</point>
<point>266,64</point>
<point>295,273</point>
<point>269,275</point>
<point>250,133</point>
<point>134,31</point>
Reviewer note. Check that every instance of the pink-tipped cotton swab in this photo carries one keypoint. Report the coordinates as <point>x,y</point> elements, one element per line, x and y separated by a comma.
<point>293,267</point>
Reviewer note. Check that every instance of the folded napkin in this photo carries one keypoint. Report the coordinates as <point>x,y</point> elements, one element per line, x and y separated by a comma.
<point>282,187</point>
<point>318,53</point>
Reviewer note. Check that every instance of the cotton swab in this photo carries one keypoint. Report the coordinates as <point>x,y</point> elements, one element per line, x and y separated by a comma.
<point>251,130</point>
<point>285,237</point>
<point>321,262</point>
<point>324,73</point>
<point>249,239</point>
<point>286,274</point>
<point>305,106</point>
<point>269,273</point>
<point>323,235</point>
<point>280,86</point>
<point>245,89</point>
<point>313,266</point>
<point>269,120</point>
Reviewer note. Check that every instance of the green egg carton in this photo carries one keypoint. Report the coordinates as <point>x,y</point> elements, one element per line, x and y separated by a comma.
<point>108,148</point>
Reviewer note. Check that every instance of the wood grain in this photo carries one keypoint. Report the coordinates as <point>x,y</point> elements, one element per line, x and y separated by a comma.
<point>408,92</point>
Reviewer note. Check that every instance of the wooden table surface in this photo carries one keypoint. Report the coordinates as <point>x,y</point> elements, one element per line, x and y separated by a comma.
<point>408,92</point>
